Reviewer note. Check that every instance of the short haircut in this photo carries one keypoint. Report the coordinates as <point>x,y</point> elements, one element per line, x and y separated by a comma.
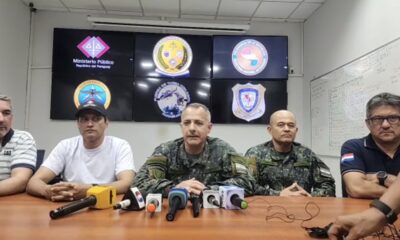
<point>382,99</point>
<point>5,98</point>
<point>199,105</point>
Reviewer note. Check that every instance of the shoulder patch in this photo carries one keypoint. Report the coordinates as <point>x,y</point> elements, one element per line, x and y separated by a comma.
<point>325,172</point>
<point>348,157</point>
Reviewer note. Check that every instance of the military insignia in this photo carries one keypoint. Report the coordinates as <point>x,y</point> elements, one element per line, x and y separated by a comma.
<point>172,56</point>
<point>325,172</point>
<point>249,57</point>
<point>248,101</point>
<point>171,98</point>
<point>92,91</point>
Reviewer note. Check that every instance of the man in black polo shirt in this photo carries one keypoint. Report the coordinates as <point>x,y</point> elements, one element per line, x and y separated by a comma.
<point>370,165</point>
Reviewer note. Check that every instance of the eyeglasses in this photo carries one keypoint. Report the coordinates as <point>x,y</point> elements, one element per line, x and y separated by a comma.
<point>379,120</point>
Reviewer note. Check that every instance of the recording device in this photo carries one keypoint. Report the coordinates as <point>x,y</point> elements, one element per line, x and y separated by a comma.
<point>318,232</point>
<point>196,204</point>
<point>211,199</point>
<point>132,201</point>
<point>98,197</point>
<point>232,197</point>
<point>177,198</point>
<point>153,202</point>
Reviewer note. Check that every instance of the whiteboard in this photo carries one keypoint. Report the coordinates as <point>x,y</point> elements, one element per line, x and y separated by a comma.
<point>338,98</point>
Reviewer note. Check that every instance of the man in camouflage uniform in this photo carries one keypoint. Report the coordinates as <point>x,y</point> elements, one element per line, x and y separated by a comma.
<point>194,161</point>
<point>286,168</point>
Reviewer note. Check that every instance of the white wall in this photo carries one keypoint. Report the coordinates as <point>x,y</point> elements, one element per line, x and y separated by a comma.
<point>143,137</point>
<point>14,40</point>
<point>339,32</point>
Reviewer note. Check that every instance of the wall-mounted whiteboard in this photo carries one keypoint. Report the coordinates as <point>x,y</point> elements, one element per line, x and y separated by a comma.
<point>338,98</point>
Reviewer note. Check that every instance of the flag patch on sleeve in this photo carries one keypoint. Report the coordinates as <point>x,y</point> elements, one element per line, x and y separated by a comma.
<point>348,157</point>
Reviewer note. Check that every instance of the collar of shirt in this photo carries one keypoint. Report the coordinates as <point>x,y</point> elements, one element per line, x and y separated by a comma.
<point>7,137</point>
<point>191,160</point>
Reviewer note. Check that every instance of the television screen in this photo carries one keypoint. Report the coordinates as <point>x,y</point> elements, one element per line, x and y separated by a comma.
<point>162,100</point>
<point>244,101</point>
<point>250,57</point>
<point>83,51</point>
<point>172,56</point>
<point>68,92</point>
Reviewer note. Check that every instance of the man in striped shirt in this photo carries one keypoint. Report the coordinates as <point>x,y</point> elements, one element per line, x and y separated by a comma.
<point>17,153</point>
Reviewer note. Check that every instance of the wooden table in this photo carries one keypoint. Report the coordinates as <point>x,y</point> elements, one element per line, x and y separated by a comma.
<point>26,217</point>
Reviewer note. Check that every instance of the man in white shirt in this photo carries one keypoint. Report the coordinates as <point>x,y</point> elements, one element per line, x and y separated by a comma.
<point>86,160</point>
<point>17,153</point>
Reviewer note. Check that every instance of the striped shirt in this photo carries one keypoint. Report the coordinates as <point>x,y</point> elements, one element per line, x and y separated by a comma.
<point>18,150</point>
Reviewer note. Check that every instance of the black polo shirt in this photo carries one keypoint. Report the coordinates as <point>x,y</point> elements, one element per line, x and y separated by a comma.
<point>363,155</point>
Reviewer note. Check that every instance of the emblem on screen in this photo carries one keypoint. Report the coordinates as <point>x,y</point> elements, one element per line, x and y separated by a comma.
<point>93,47</point>
<point>249,57</point>
<point>171,98</point>
<point>172,56</point>
<point>92,91</point>
<point>248,101</point>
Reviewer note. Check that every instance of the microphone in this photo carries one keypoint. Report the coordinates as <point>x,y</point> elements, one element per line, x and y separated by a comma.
<point>177,199</point>
<point>211,199</point>
<point>196,204</point>
<point>132,201</point>
<point>99,197</point>
<point>238,201</point>
<point>232,197</point>
<point>153,202</point>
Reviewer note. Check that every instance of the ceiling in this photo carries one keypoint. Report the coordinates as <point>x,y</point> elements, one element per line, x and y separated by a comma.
<point>238,10</point>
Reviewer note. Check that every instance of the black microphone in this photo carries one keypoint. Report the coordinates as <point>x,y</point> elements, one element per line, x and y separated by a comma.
<point>99,197</point>
<point>73,207</point>
<point>213,201</point>
<point>238,201</point>
<point>177,198</point>
<point>196,204</point>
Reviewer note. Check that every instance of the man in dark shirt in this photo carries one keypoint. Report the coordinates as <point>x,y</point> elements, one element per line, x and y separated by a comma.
<point>369,165</point>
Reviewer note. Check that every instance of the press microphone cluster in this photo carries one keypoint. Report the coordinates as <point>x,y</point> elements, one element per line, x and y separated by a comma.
<point>98,197</point>
<point>177,199</point>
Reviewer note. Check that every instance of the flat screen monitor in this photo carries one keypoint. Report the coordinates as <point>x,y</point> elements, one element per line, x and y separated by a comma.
<point>162,100</point>
<point>68,92</point>
<point>250,57</point>
<point>244,101</point>
<point>173,56</point>
<point>88,51</point>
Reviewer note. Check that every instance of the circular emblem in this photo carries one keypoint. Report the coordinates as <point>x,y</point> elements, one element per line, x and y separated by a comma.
<point>172,98</point>
<point>92,91</point>
<point>249,57</point>
<point>172,56</point>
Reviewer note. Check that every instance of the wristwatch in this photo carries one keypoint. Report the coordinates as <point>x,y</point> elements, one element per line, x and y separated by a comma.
<point>390,215</point>
<point>381,175</point>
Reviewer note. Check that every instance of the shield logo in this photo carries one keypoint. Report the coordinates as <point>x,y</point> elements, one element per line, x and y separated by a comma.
<point>248,101</point>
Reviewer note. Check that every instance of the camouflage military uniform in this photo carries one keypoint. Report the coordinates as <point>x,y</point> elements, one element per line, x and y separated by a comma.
<point>276,171</point>
<point>169,165</point>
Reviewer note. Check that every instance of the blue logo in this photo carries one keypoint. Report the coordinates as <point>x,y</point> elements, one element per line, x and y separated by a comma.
<point>172,98</point>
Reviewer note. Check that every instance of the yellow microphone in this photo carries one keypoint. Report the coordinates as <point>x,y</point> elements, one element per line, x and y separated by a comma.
<point>98,197</point>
